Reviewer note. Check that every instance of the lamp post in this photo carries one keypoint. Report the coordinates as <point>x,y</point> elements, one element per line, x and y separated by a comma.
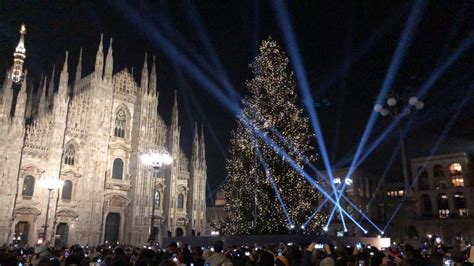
<point>155,159</point>
<point>50,184</point>
<point>397,106</point>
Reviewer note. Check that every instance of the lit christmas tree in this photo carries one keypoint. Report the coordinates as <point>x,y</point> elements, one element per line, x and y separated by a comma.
<point>253,206</point>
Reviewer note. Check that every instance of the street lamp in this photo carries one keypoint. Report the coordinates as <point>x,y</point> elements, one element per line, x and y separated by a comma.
<point>50,184</point>
<point>397,106</point>
<point>155,159</point>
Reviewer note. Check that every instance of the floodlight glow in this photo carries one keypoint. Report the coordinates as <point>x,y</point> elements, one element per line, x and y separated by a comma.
<point>302,227</point>
<point>155,158</point>
<point>348,181</point>
<point>345,230</point>
<point>337,180</point>
<point>51,183</point>
<point>325,228</point>
<point>292,226</point>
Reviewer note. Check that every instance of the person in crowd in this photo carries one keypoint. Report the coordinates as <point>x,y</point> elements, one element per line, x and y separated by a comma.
<point>458,253</point>
<point>218,258</point>
<point>308,255</point>
<point>42,254</point>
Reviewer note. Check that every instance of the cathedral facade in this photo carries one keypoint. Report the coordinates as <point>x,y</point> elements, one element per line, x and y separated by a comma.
<point>90,132</point>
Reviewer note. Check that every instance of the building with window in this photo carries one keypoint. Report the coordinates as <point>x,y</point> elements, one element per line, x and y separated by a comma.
<point>90,132</point>
<point>443,195</point>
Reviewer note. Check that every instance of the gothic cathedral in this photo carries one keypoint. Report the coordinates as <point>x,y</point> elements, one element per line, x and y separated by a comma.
<point>90,133</point>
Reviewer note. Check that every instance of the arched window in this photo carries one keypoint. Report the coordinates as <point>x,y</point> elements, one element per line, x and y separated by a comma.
<point>69,154</point>
<point>28,186</point>
<point>422,179</point>
<point>180,201</point>
<point>455,171</point>
<point>460,205</point>
<point>67,190</point>
<point>120,123</point>
<point>443,205</point>
<point>438,174</point>
<point>426,208</point>
<point>117,169</point>
<point>157,199</point>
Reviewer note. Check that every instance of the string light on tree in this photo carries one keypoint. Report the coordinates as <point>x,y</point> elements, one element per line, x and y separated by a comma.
<point>253,207</point>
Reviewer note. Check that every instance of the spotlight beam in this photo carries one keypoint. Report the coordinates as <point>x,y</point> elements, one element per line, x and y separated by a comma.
<point>260,134</point>
<point>397,58</point>
<point>189,96</point>
<point>315,212</point>
<point>306,161</point>
<point>300,73</point>
<point>203,37</point>
<point>441,69</point>
<point>361,213</point>
<point>338,206</point>
<point>272,181</point>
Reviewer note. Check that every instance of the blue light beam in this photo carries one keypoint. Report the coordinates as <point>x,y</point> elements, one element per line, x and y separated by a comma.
<point>397,58</point>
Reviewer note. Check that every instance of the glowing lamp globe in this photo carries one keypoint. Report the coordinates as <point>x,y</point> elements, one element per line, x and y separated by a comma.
<point>378,107</point>
<point>391,101</point>
<point>348,181</point>
<point>156,158</point>
<point>413,100</point>
<point>419,105</point>
<point>51,183</point>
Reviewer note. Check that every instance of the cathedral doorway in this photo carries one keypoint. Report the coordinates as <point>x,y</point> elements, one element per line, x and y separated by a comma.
<point>112,228</point>
<point>62,234</point>
<point>21,233</point>
<point>179,231</point>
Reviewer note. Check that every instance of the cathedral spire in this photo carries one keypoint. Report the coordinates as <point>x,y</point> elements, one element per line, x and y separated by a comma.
<point>42,102</point>
<point>174,116</point>
<point>79,67</point>
<point>29,100</point>
<point>99,59</point>
<point>64,78</point>
<point>7,95</point>
<point>152,88</point>
<point>19,57</point>
<point>202,146</point>
<point>109,64</point>
<point>144,78</point>
<point>20,106</point>
<point>51,88</point>
<point>195,147</point>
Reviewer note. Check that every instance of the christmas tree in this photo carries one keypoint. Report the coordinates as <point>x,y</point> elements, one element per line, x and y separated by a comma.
<point>255,170</point>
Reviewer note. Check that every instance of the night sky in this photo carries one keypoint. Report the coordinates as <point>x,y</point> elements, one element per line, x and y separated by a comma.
<point>346,49</point>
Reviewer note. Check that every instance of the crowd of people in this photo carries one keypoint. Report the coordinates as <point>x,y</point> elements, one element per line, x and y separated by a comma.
<point>283,254</point>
